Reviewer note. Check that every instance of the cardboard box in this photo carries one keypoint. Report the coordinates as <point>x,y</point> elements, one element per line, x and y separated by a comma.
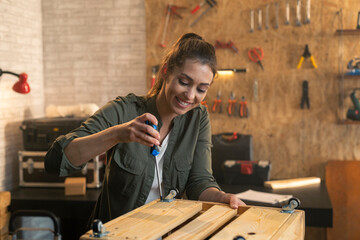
<point>75,186</point>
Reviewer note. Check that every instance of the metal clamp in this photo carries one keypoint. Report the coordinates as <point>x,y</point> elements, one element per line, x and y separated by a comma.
<point>99,229</point>
<point>171,196</point>
<point>292,205</point>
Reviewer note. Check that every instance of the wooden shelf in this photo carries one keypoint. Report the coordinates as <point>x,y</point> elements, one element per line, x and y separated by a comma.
<point>351,76</point>
<point>348,122</point>
<point>348,31</point>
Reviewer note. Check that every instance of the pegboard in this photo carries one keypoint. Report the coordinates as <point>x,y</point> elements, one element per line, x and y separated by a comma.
<point>297,141</point>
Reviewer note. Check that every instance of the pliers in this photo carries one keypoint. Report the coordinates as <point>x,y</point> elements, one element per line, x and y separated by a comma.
<point>232,102</point>
<point>244,111</point>
<point>305,95</point>
<point>306,54</point>
<point>217,105</point>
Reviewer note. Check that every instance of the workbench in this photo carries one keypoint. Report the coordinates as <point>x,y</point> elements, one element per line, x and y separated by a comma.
<point>75,211</point>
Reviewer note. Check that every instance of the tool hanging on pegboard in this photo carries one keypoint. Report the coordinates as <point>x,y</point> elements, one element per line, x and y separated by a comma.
<point>256,55</point>
<point>307,16</point>
<point>231,104</point>
<point>217,105</point>
<point>298,13</point>
<point>211,4</point>
<point>251,20</point>
<point>154,70</point>
<point>229,44</point>
<point>243,108</point>
<point>305,95</point>
<point>200,5</point>
<point>169,13</point>
<point>287,13</point>
<point>306,54</point>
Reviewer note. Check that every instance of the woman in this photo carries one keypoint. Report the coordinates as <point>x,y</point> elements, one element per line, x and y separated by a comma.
<point>119,129</point>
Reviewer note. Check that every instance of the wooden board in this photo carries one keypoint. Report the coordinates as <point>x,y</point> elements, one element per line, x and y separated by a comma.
<point>342,182</point>
<point>5,198</point>
<point>184,219</point>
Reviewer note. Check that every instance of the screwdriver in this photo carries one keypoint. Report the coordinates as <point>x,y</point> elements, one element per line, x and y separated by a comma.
<point>154,150</point>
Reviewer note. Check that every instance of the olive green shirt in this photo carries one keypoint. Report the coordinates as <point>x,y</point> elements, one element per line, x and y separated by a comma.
<point>130,168</point>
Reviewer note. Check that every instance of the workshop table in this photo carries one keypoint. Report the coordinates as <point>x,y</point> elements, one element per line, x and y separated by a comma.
<point>75,211</point>
<point>314,200</point>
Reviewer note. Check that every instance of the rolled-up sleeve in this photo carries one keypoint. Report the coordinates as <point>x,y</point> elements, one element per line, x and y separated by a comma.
<point>200,177</point>
<point>56,161</point>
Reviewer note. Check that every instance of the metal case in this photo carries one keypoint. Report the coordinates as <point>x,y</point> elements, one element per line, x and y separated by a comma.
<point>32,172</point>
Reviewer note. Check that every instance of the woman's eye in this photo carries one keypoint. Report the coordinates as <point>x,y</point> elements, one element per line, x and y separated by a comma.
<point>201,90</point>
<point>183,82</point>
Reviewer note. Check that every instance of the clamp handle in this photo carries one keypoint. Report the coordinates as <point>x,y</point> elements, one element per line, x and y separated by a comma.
<point>292,205</point>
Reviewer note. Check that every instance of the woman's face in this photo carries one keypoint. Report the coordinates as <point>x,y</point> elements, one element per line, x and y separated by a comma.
<point>186,87</point>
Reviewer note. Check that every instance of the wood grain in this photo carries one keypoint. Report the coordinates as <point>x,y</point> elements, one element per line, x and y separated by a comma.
<point>342,181</point>
<point>205,224</point>
<point>203,219</point>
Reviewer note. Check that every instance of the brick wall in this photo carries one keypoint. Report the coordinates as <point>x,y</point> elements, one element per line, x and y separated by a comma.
<point>83,51</point>
<point>20,51</point>
<point>94,50</point>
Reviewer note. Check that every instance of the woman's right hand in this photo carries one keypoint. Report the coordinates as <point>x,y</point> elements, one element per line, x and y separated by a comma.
<point>137,130</point>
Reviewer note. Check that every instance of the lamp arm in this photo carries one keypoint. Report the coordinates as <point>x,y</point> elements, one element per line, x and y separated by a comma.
<point>8,72</point>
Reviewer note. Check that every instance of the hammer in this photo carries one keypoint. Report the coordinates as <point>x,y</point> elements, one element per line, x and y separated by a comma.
<point>211,4</point>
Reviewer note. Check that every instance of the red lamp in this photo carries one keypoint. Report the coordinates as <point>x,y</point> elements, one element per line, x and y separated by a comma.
<point>20,86</point>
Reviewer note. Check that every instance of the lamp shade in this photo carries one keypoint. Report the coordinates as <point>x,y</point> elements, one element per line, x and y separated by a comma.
<point>22,86</point>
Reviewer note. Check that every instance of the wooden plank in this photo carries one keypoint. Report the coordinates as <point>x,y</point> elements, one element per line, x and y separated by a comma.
<point>293,228</point>
<point>255,223</point>
<point>342,182</point>
<point>5,198</point>
<point>4,220</point>
<point>152,221</point>
<point>204,225</point>
<point>290,183</point>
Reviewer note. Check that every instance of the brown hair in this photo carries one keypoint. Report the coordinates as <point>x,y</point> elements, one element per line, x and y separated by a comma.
<point>188,46</point>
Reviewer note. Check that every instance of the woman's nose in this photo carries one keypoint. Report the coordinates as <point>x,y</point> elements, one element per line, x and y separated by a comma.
<point>190,94</point>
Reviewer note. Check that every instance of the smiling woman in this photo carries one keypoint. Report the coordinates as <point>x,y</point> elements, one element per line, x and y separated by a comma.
<point>124,129</point>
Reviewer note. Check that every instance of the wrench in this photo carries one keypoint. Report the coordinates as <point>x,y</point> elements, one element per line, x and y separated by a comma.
<point>307,18</point>
<point>298,16</point>
<point>267,16</point>
<point>287,13</point>
<point>259,18</point>
<point>251,20</point>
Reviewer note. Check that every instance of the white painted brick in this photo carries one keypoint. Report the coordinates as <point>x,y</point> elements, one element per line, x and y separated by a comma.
<point>20,51</point>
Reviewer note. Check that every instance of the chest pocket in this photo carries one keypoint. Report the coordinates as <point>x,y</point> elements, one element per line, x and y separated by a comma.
<point>126,172</point>
<point>129,162</point>
<point>183,166</point>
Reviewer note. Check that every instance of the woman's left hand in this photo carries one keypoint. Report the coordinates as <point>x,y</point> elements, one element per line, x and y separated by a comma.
<point>214,195</point>
<point>233,201</point>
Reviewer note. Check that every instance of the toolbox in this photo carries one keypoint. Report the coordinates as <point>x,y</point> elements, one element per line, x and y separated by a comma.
<point>229,146</point>
<point>246,172</point>
<point>32,172</point>
<point>40,133</point>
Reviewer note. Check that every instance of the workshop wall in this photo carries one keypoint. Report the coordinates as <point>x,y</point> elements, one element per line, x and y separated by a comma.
<point>20,51</point>
<point>297,141</point>
<point>94,51</point>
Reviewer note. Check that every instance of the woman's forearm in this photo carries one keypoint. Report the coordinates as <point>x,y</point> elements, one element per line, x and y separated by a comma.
<point>83,149</point>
